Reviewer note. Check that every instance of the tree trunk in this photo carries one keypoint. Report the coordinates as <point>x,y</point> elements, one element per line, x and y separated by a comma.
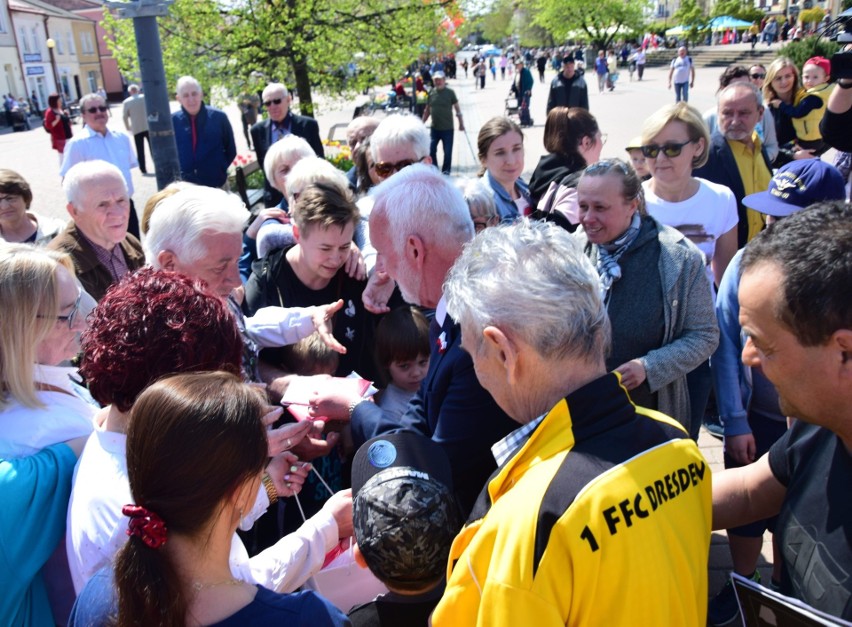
<point>303,86</point>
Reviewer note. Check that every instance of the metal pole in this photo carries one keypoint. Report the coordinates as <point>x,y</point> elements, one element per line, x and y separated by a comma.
<point>160,130</point>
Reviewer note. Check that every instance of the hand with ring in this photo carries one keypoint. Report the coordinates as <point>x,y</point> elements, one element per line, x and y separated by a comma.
<point>287,436</point>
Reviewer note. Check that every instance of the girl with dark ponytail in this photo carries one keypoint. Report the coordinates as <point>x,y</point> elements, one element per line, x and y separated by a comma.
<point>196,449</point>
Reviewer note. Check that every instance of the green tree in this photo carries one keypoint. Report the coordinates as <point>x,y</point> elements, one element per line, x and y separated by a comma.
<point>598,21</point>
<point>801,51</point>
<point>738,9</point>
<point>305,43</point>
<point>692,17</point>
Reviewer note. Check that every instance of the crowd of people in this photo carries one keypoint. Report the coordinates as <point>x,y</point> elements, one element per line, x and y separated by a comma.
<point>543,353</point>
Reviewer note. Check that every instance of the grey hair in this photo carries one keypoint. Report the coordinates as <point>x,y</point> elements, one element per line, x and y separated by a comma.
<point>88,98</point>
<point>274,88</point>
<point>533,282</point>
<point>84,172</point>
<point>186,81</point>
<point>181,219</point>
<point>133,88</point>
<point>420,200</point>
<point>313,169</point>
<point>285,148</point>
<point>741,85</point>
<point>401,130</point>
<point>478,196</point>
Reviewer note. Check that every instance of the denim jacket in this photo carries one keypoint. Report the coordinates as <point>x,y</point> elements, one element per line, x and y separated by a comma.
<point>732,380</point>
<point>506,207</point>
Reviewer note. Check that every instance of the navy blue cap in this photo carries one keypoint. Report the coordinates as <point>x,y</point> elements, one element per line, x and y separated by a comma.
<point>797,185</point>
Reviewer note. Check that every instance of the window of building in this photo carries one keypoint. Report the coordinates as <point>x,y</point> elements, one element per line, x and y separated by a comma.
<point>93,81</point>
<point>58,40</point>
<point>70,37</point>
<point>25,42</point>
<point>88,47</point>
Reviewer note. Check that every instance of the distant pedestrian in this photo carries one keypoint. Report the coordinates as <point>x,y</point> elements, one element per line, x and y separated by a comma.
<point>569,88</point>
<point>34,103</point>
<point>442,101</point>
<point>57,122</point>
<point>522,87</point>
<point>249,106</point>
<point>541,64</point>
<point>465,65</point>
<point>204,137</point>
<point>601,70</point>
<point>504,61</point>
<point>493,67</point>
<point>682,74</point>
<point>479,72</point>
<point>136,121</point>
<point>770,31</point>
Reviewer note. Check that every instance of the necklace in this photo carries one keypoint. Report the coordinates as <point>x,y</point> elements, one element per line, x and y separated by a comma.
<point>198,586</point>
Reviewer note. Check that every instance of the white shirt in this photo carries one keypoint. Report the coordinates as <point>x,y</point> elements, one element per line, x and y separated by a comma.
<point>66,415</point>
<point>97,528</point>
<point>113,148</point>
<point>705,217</point>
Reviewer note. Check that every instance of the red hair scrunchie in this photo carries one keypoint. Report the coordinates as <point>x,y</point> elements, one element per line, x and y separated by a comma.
<point>146,525</point>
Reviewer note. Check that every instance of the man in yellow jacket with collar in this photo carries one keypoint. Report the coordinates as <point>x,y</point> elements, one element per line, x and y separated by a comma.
<point>599,511</point>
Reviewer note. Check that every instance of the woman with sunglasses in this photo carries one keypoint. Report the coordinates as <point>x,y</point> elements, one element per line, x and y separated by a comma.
<point>40,406</point>
<point>654,287</point>
<point>187,502</point>
<point>17,222</point>
<point>675,141</point>
<point>501,153</point>
<point>782,83</point>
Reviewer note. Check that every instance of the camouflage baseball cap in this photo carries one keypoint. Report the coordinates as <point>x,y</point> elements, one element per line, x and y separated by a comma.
<point>404,513</point>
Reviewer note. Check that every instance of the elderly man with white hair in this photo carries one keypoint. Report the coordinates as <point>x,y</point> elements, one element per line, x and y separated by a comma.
<point>97,238</point>
<point>419,225</point>
<point>198,232</point>
<point>591,491</point>
<point>280,123</point>
<point>204,137</point>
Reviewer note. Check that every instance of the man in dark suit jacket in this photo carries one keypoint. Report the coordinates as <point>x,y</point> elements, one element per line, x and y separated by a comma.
<point>281,122</point>
<point>739,111</point>
<point>418,242</point>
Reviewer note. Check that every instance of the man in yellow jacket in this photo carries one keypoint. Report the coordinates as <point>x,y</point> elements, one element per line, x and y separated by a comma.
<point>599,511</point>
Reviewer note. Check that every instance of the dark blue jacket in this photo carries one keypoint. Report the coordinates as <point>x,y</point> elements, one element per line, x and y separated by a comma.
<point>454,410</point>
<point>215,148</point>
<point>721,168</point>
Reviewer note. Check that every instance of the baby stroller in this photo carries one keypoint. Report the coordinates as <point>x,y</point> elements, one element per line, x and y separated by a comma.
<point>20,118</point>
<point>512,108</point>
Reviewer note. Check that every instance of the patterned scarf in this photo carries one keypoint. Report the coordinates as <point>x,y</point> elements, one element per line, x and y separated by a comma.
<point>609,254</point>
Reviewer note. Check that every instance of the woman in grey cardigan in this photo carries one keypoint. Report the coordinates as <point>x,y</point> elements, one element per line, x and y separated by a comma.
<point>653,283</point>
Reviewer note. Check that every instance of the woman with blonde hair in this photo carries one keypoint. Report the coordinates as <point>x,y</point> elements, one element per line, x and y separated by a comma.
<point>39,329</point>
<point>40,406</point>
<point>783,84</point>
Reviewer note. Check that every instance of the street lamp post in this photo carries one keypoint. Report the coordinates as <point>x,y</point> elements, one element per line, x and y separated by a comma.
<point>51,44</point>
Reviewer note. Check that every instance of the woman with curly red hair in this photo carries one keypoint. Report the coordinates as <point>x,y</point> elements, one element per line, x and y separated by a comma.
<point>152,324</point>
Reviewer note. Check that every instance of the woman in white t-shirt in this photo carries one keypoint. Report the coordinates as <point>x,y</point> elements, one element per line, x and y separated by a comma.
<point>674,141</point>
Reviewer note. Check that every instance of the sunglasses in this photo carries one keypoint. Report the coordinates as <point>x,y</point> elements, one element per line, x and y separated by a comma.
<point>385,169</point>
<point>757,75</point>
<point>72,316</point>
<point>101,108</point>
<point>670,150</point>
<point>272,101</point>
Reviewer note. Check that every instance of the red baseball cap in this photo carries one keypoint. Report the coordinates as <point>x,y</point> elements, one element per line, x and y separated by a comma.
<point>822,62</point>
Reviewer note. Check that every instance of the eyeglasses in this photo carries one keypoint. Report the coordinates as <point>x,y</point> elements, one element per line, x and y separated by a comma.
<point>603,138</point>
<point>670,150</point>
<point>757,75</point>
<point>101,108</point>
<point>385,169</point>
<point>10,200</point>
<point>72,316</point>
<point>272,101</point>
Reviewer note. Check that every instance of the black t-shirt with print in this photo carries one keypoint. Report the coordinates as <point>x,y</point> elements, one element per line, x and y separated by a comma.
<point>815,523</point>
